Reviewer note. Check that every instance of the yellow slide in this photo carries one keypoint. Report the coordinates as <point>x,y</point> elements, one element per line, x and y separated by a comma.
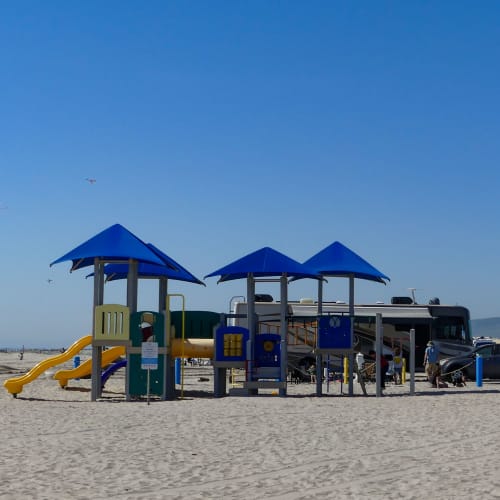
<point>192,348</point>
<point>15,385</point>
<point>108,356</point>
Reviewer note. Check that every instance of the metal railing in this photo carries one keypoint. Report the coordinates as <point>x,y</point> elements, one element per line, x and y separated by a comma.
<point>297,335</point>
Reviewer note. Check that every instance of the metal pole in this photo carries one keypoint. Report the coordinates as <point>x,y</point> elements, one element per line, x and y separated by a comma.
<point>169,369</point>
<point>319,357</point>
<point>162,305</point>
<point>132,279</point>
<point>132,284</point>
<point>327,374</point>
<point>412,361</point>
<point>162,294</point>
<point>96,388</point>
<point>351,352</point>
<point>148,382</point>
<point>250,323</point>
<point>283,333</point>
<point>378,353</point>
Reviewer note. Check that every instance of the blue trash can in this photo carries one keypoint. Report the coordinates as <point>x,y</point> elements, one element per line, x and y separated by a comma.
<point>76,363</point>
<point>479,370</point>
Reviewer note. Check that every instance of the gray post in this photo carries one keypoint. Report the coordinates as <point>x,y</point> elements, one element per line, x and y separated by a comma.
<point>283,333</point>
<point>162,306</point>
<point>319,357</point>
<point>378,354</point>
<point>132,279</point>
<point>351,352</point>
<point>162,294</point>
<point>251,324</point>
<point>412,362</point>
<point>96,388</point>
<point>169,366</point>
<point>219,382</point>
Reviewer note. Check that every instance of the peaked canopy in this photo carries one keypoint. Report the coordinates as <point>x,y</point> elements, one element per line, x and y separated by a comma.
<point>263,262</point>
<point>172,264</point>
<point>113,244</point>
<point>338,260</point>
<point>171,269</point>
<point>120,271</point>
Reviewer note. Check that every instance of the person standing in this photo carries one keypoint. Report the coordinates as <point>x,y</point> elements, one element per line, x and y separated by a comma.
<point>312,373</point>
<point>431,360</point>
<point>398,365</point>
<point>384,366</point>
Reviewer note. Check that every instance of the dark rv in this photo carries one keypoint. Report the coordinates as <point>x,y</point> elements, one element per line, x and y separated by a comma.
<point>448,326</point>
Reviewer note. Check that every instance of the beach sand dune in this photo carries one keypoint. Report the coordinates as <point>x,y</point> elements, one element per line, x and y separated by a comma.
<point>58,444</point>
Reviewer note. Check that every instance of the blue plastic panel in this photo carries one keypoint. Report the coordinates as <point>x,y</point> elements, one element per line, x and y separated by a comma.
<point>231,343</point>
<point>334,332</point>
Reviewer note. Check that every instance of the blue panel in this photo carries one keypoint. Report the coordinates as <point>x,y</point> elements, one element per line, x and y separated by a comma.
<point>267,350</point>
<point>230,343</point>
<point>334,332</point>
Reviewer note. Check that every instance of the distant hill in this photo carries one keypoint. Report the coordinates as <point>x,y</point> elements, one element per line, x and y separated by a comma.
<point>487,327</point>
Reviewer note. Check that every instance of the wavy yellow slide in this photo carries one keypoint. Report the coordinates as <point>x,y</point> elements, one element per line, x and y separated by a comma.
<point>191,348</point>
<point>15,385</point>
<point>108,356</point>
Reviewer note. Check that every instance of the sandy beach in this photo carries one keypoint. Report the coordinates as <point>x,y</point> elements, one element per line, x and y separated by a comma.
<point>56,443</point>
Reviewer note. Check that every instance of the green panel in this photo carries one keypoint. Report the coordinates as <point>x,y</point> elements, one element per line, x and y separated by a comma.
<point>136,332</point>
<point>138,376</point>
<point>198,324</point>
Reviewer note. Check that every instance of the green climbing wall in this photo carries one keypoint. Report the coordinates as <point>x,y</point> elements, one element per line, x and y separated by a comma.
<point>155,333</point>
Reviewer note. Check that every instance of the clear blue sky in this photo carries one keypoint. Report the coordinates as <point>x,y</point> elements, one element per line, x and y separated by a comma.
<point>216,128</point>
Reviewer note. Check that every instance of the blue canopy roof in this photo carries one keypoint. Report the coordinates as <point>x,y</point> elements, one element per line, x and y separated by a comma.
<point>172,264</point>
<point>171,269</point>
<point>113,244</point>
<point>261,263</point>
<point>338,260</point>
<point>120,271</point>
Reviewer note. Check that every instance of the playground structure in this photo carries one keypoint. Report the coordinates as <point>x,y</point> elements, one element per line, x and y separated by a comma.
<point>262,357</point>
<point>228,349</point>
<point>123,333</point>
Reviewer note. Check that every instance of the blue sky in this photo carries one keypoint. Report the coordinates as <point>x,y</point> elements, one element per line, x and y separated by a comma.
<point>216,128</point>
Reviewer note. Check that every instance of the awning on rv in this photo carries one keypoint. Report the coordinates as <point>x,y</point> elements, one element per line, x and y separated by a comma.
<point>387,312</point>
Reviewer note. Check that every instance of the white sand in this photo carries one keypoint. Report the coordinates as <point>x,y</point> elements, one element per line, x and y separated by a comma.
<point>56,444</point>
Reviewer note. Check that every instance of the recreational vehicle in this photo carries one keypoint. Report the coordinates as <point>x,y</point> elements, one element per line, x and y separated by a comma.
<point>448,326</point>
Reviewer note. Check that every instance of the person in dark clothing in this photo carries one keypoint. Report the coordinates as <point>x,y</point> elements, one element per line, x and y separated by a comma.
<point>384,366</point>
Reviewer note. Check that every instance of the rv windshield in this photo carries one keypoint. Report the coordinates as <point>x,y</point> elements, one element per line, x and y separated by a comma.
<point>451,328</point>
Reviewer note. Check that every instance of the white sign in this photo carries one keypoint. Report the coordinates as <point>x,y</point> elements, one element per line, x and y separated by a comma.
<point>149,355</point>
